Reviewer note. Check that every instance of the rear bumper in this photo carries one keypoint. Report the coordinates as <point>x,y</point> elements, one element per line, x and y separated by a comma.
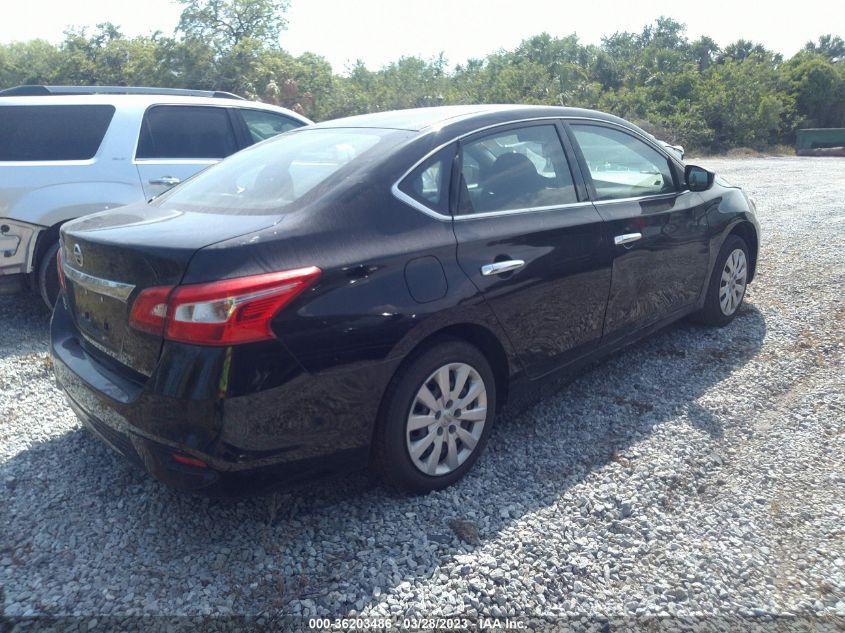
<point>217,479</point>
<point>17,246</point>
<point>305,428</point>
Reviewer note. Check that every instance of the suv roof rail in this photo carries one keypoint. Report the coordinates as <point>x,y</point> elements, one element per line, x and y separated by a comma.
<point>35,91</point>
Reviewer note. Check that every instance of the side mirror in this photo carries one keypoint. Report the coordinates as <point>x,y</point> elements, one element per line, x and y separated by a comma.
<point>698,178</point>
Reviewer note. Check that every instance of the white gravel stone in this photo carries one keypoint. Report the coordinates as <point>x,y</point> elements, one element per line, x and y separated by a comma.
<point>698,473</point>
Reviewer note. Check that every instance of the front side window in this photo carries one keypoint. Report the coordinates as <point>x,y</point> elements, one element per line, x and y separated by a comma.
<point>270,177</point>
<point>428,184</point>
<point>262,125</point>
<point>622,166</point>
<point>202,132</point>
<point>520,168</point>
<point>52,132</point>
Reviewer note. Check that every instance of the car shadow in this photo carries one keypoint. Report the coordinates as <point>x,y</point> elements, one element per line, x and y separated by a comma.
<point>74,508</point>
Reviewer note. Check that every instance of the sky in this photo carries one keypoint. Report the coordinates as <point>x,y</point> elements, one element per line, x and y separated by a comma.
<point>381,31</point>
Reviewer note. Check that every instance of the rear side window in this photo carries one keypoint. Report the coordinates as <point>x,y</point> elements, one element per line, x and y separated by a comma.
<point>52,132</point>
<point>262,125</point>
<point>523,168</point>
<point>428,184</point>
<point>622,166</point>
<point>186,132</point>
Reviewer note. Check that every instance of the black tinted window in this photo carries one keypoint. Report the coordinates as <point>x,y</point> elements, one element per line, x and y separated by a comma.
<point>519,168</point>
<point>428,184</point>
<point>262,125</point>
<point>52,132</point>
<point>186,132</point>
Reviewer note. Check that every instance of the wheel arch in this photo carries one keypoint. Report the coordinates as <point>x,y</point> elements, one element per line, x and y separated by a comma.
<point>488,344</point>
<point>748,233</point>
<point>46,239</point>
<point>476,335</point>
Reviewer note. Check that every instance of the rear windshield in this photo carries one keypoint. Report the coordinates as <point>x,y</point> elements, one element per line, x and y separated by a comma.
<point>271,176</point>
<point>52,132</point>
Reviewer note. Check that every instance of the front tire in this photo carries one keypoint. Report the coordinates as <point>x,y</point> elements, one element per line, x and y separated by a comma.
<point>436,418</point>
<point>48,276</point>
<point>728,283</point>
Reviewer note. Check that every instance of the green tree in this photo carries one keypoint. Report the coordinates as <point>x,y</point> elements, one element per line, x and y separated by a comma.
<point>684,91</point>
<point>741,102</point>
<point>830,46</point>
<point>818,90</point>
<point>227,23</point>
<point>704,52</point>
<point>32,62</point>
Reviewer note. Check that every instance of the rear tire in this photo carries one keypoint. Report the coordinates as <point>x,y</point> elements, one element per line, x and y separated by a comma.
<point>48,276</point>
<point>728,283</point>
<point>421,447</point>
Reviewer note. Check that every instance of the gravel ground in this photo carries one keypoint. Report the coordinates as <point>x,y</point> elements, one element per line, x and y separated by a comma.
<point>700,473</point>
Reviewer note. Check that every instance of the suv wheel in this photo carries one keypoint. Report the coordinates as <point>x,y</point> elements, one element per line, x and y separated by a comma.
<point>438,414</point>
<point>48,276</point>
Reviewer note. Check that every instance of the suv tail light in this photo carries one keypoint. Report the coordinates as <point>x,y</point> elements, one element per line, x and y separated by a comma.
<point>224,312</point>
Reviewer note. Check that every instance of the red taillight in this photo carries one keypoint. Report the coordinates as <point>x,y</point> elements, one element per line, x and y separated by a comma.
<point>150,310</point>
<point>224,312</point>
<point>188,460</point>
<point>59,268</point>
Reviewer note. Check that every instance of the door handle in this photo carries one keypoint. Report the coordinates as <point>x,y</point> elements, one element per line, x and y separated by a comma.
<point>165,180</point>
<point>499,268</point>
<point>627,238</point>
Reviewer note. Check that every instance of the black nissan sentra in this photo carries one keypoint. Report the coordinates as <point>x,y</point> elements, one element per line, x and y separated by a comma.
<point>370,291</point>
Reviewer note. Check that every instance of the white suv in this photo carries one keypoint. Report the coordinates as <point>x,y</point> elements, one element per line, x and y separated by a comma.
<point>66,151</point>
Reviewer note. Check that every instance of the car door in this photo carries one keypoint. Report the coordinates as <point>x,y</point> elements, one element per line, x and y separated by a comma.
<point>657,230</point>
<point>176,141</point>
<point>531,241</point>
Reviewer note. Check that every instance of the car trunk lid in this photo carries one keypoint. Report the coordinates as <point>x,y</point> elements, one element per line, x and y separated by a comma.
<point>109,258</point>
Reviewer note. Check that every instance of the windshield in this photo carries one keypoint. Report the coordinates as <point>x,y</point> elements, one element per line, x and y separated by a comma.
<point>271,176</point>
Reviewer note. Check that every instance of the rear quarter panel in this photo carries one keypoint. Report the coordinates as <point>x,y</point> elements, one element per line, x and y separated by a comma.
<point>41,198</point>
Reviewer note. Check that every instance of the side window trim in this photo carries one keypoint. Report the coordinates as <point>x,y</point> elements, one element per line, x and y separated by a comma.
<point>571,151</point>
<point>582,162</point>
<point>449,176</point>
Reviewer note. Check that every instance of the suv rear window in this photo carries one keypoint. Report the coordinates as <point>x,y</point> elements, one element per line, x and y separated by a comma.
<point>186,132</point>
<point>52,132</point>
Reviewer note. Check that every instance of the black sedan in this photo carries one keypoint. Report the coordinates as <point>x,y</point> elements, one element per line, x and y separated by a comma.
<point>371,290</point>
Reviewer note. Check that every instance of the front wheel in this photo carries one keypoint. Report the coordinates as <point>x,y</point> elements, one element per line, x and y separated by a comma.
<point>727,284</point>
<point>438,413</point>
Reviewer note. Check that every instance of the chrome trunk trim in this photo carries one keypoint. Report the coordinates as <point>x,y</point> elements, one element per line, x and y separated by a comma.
<point>114,289</point>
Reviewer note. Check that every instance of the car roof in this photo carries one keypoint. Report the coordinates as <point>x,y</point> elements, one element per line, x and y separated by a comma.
<point>142,101</point>
<point>423,119</point>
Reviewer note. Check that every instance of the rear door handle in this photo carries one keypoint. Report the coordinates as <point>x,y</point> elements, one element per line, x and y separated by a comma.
<point>165,180</point>
<point>627,238</point>
<point>498,268</point>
